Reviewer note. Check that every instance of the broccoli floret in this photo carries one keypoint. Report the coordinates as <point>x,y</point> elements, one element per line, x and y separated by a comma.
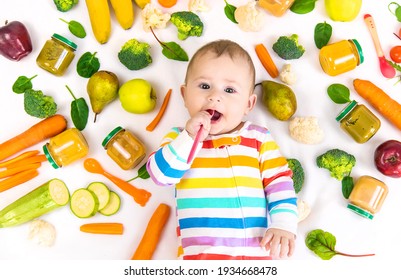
<point>65,5</point>
<point>298,174</point>
<point>287,47</point>
<point>187,23</point>
<point>338,162</point>
<point>39,105</point>
<point>135,55</point>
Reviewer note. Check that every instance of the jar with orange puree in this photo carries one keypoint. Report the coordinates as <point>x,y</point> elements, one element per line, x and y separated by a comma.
<point>276,7</point>
<point>66,147</point>
<point>340,57</point>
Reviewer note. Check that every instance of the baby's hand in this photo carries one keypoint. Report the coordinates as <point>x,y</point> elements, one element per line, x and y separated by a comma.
<point>194,124</point>
<point>281,243</point>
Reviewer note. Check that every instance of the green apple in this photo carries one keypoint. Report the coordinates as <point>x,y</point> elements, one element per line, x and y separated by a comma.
<point>137,96</point>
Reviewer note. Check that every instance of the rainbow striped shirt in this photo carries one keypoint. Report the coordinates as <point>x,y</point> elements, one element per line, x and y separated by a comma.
<point>237,186</point>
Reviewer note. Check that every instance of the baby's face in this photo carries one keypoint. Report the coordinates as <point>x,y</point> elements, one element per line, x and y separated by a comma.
<point>220,85</point>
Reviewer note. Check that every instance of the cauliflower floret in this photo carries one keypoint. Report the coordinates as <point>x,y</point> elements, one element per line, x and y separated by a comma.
<point>152,17</point>
<point>198,6</point>
<point>249,17</point>
<point>42,233</point>
<point>306,130</point>
<point>303,209</point>
<point>287,75</point>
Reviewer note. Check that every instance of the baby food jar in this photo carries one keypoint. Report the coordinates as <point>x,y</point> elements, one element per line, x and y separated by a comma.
<point>124,148</point>
<point>66,147</point>
<point>56,55</point>
<point>276,7</point>
<point>340,57</point>
<point>367,196</point>
<point>358,121</point>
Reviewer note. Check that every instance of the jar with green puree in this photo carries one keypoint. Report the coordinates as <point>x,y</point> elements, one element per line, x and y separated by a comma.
<point>56,55</point>
<point>358,121</point>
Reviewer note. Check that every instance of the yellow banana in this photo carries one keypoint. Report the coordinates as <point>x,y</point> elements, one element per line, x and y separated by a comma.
<point>142,3</point>
<point>99,15</point>
<point>124,11</point>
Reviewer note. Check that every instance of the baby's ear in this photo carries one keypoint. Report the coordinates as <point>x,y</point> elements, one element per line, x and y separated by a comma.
<point>183,89</point>
<point>251,102</point>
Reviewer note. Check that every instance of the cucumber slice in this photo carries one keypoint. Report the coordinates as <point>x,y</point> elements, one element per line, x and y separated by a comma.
<point>102,192</point>
<point>59,192</point>
<point>113,206</point>
<point>84,203</point>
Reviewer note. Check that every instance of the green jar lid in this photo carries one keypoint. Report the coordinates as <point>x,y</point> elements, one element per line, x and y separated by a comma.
<point>360,211</point>
<point>359,48</point>
<point>49,157</point>
<point>65,41</point>
<point>111,135</point>
<point>346,110</point>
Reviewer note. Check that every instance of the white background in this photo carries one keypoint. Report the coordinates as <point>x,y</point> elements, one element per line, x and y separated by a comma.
<point>355,234</point>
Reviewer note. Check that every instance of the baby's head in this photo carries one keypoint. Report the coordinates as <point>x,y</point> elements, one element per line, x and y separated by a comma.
<point>220,78</point>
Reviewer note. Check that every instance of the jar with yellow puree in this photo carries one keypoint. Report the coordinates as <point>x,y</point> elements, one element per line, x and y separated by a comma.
<point>367,196</point>
<point>56,55</point>
<point>340,57</point>
<point>124,148</point>
<point>66,147</point>
<point>358,121</point>
<point>276,7</point>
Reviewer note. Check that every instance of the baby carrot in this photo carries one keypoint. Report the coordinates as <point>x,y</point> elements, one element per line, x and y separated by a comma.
<point>103,228</point>
<point>12,171</point>
<point>18,179</point>
<point>28,160</point>
<point>266,60</point>
<point>384,104</point>
<point>19,157</point>
<point>159,115</point>
<point>152,234</point>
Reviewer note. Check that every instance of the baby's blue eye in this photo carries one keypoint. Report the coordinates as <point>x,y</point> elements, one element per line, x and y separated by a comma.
<point>204,86</point>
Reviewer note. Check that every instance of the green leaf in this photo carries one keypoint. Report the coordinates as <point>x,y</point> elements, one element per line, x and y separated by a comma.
<point>142,173</point>
<point>394,65</point>
<point>88,64</point>
<point>339,93</point>
<point>172,50</point>
<point>397,11</point>
<point>75,28</point>
<point>322,34</point>
<point>79,111</point>
<point>347,184</point>
<point>322,243</point>
<point>229,10</point>
<point>22,84</point>
<point>303,6</point>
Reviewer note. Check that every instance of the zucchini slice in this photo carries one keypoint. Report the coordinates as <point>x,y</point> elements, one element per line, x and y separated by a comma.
<point>102,192</point>
<point>84,203</point>
<point>113,206</point>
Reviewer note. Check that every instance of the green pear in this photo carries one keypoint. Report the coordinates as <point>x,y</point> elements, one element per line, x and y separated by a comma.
<point>279,100</point>
<point>102,89</point>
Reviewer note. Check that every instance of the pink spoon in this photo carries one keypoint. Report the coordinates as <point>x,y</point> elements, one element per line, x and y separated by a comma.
<point>387,70</point>
<point>196,140</point>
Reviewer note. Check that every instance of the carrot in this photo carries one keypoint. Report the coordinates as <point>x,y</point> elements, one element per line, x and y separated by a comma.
<point>103,228</point>
<point>266,60</point>
<point>167,3</point>
<point>18,179</point>
<point>19,157</point>
<point>384,104</point>
<point>152,234</point>
<point>29,160</point>
<point>12,171</point>
<point>44,129</point>
<point>160,114</point>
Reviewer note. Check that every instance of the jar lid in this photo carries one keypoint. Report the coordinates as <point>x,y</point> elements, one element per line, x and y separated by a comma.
<point>346,110</point>
<point>360,211</point>
<point>49,157</point>
<point>65,40</point>
<point>111,135</point>
<point>359,48</point>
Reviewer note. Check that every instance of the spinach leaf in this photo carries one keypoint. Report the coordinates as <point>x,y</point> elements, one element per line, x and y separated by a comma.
<point>322,34</point>
<point>229,10</point>
<point>79,111</point>
<point>339,93</point>
<point>174,51</point>
<point>22,84</point>
<point>142,173</point>
<point>87,65</point>
<point>303,6</point>
<point>75,28</point>
<point>397,11</point>
<point>347,184</point>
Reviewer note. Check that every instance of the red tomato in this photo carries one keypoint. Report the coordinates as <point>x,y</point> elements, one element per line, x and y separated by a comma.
<point>395,54</point>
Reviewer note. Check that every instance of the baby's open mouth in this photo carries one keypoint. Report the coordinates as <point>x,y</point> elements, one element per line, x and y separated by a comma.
<point>215,114</point>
